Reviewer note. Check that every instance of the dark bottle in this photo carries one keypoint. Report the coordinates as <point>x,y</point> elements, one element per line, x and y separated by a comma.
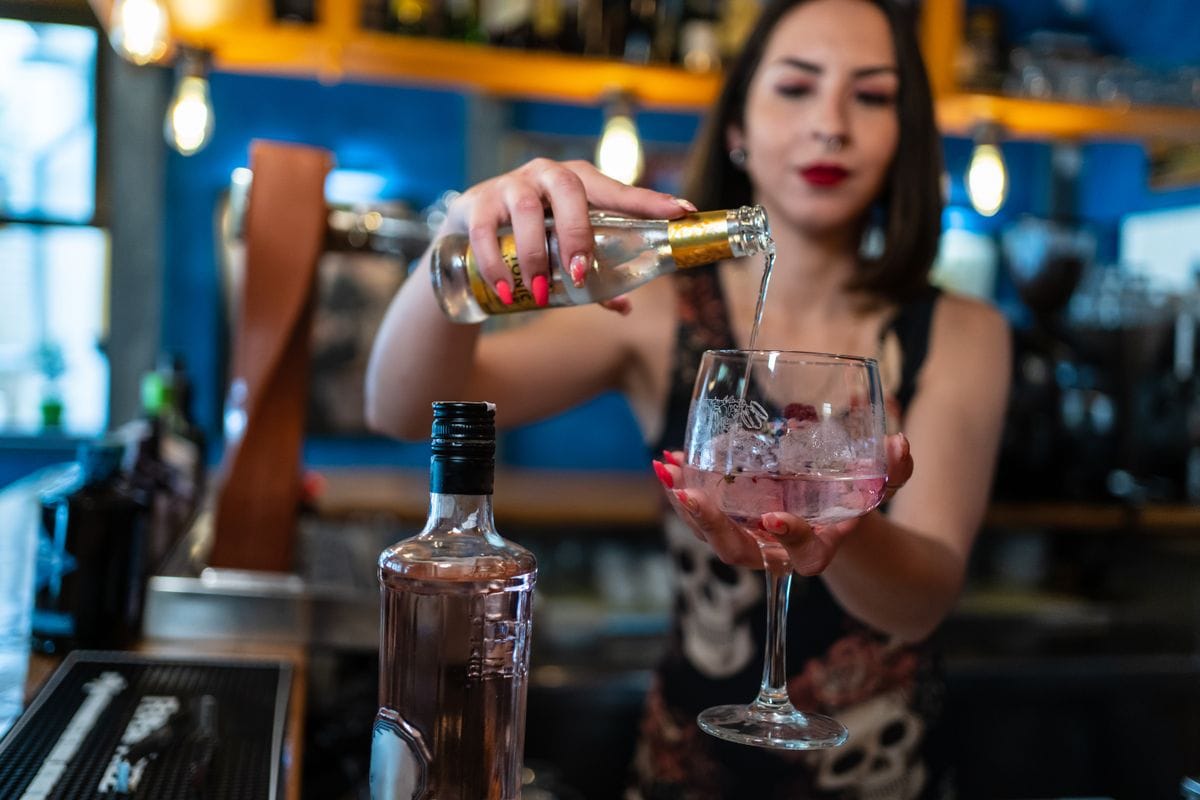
<point>91,578</point>
<point>168,468</point>
<point>640,32</point>
<point>462,21</point>
<point>454,634</point>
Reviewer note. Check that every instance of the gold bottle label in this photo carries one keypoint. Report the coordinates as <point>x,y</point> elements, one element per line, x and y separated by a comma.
<point>700,239</point>
<point>486,296</point>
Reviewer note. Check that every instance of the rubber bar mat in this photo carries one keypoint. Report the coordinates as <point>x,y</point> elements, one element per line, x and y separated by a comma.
<point>114,725</point>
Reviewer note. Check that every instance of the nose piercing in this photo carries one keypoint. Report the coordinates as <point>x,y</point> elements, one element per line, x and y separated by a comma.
<point>833,142</point>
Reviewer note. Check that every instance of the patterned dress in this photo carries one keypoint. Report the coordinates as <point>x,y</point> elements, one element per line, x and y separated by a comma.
<point>887,694</point>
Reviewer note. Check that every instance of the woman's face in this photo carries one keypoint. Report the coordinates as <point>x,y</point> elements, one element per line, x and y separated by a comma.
<point>821,126</point>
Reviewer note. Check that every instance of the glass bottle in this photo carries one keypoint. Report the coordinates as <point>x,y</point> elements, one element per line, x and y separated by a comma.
<point>628,253</point>
<point>454,634</point>
<point>92,568</point>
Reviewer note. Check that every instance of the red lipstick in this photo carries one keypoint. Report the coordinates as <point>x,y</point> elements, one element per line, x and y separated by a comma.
<point>824,174</point>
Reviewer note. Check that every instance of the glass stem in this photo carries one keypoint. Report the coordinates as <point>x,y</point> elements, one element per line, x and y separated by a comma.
<point>772,695</point>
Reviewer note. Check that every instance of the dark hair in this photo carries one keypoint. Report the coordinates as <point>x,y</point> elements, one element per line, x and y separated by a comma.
<point>910,205</point>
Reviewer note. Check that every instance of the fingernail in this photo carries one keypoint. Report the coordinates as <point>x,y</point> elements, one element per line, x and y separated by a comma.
<point>686,205</point>
<point>541,290</point>
<point>504,292</point>
<point>663,475</point>
<point>685,499</point>
<point>578,268</point>
<point>670,459</point>
<point>773,524</point>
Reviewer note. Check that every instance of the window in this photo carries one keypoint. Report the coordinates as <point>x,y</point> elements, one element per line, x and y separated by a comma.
<point>53,261</point>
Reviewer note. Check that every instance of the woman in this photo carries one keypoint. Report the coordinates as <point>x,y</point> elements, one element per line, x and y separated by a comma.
<point>826,121</point>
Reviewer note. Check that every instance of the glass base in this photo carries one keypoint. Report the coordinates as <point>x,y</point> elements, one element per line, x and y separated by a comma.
<point>783,728</point>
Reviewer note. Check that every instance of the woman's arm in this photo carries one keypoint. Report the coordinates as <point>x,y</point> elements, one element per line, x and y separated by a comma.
<point>902,572</point>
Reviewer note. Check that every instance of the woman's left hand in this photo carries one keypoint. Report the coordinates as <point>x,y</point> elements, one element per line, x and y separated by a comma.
<point>808,549</point>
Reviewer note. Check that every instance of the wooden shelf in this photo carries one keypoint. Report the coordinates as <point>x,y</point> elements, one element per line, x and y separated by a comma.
<point>958,114</point>
<point>243,37</point>
<point>491,70</point>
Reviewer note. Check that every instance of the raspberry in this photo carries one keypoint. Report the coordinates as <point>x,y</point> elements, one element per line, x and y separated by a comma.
<point>801,412</point>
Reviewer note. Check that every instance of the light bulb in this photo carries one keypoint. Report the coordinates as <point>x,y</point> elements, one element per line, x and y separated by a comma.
<point>619,152</point>
<point>189,122</point>
<point>139,30</point>
<point>987,179</point>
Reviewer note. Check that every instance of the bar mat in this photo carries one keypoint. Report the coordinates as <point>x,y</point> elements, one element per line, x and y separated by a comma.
<point>99,705</point>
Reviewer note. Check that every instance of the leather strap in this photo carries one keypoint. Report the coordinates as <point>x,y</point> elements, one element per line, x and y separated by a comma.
<point>257,502</point>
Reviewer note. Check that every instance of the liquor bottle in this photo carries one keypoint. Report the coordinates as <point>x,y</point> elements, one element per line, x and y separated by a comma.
<point>628,253</point>
<point>699,40</point>
<point>462,21</point>
<point>640,31</point>
<point>91,575</point>
<point>507,23</point>
<point>454,633</point>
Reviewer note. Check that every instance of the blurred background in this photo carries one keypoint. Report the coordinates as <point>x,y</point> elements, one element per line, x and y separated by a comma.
<point>1072,178</point>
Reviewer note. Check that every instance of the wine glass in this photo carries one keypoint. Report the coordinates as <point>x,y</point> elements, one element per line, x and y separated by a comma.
<point>799,432</point>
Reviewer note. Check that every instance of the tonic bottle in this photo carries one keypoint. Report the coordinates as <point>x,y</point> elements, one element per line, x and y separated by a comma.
<point>628,253</point>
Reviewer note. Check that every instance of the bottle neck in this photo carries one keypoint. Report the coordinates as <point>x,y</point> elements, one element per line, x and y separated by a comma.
<point>460,512</point>
<point>712,236</point>
<point>460,475</point>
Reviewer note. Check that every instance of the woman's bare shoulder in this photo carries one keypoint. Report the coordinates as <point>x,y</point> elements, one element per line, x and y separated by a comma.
<point>959,314</point>
<point>970,337</point>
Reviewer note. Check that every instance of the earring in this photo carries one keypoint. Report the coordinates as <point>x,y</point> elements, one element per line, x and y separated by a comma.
<point>737,157</point>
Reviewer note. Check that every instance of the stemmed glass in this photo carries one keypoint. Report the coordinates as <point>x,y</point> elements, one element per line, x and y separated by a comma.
<point>786,431</point>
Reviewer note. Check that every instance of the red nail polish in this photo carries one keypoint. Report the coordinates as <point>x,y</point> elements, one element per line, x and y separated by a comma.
<point>687,502</point>
<point>670,459</point>
<point>504,292</point>
<point>663,475</point>
<point>541,290</point>
<point>578,269</point>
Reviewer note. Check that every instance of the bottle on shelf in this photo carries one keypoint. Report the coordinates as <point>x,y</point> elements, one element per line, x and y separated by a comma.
<point>628,253</point>
<point>462,21</point>
<point>699,46</point>
<point>548,25</point>
<point>508,23</point>
<point>590,27</point>
<point>454,633</point>
<point>92,562</point>
<point>640,32</point>
<point>415,17</point>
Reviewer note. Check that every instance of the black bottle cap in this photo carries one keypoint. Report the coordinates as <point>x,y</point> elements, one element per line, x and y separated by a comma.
<point>464,448</point>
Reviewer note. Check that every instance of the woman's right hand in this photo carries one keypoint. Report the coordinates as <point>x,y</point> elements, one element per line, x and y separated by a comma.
<point>519,199</point>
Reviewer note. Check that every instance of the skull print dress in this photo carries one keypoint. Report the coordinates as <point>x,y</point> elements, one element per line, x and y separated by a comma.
<point>886,693</point>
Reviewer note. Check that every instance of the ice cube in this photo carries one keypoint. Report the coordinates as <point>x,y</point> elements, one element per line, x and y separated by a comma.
<point>818,446</point>
<point>738,450</point>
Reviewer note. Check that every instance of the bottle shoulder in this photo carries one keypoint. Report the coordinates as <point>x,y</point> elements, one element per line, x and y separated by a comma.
<point>454,554</point>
